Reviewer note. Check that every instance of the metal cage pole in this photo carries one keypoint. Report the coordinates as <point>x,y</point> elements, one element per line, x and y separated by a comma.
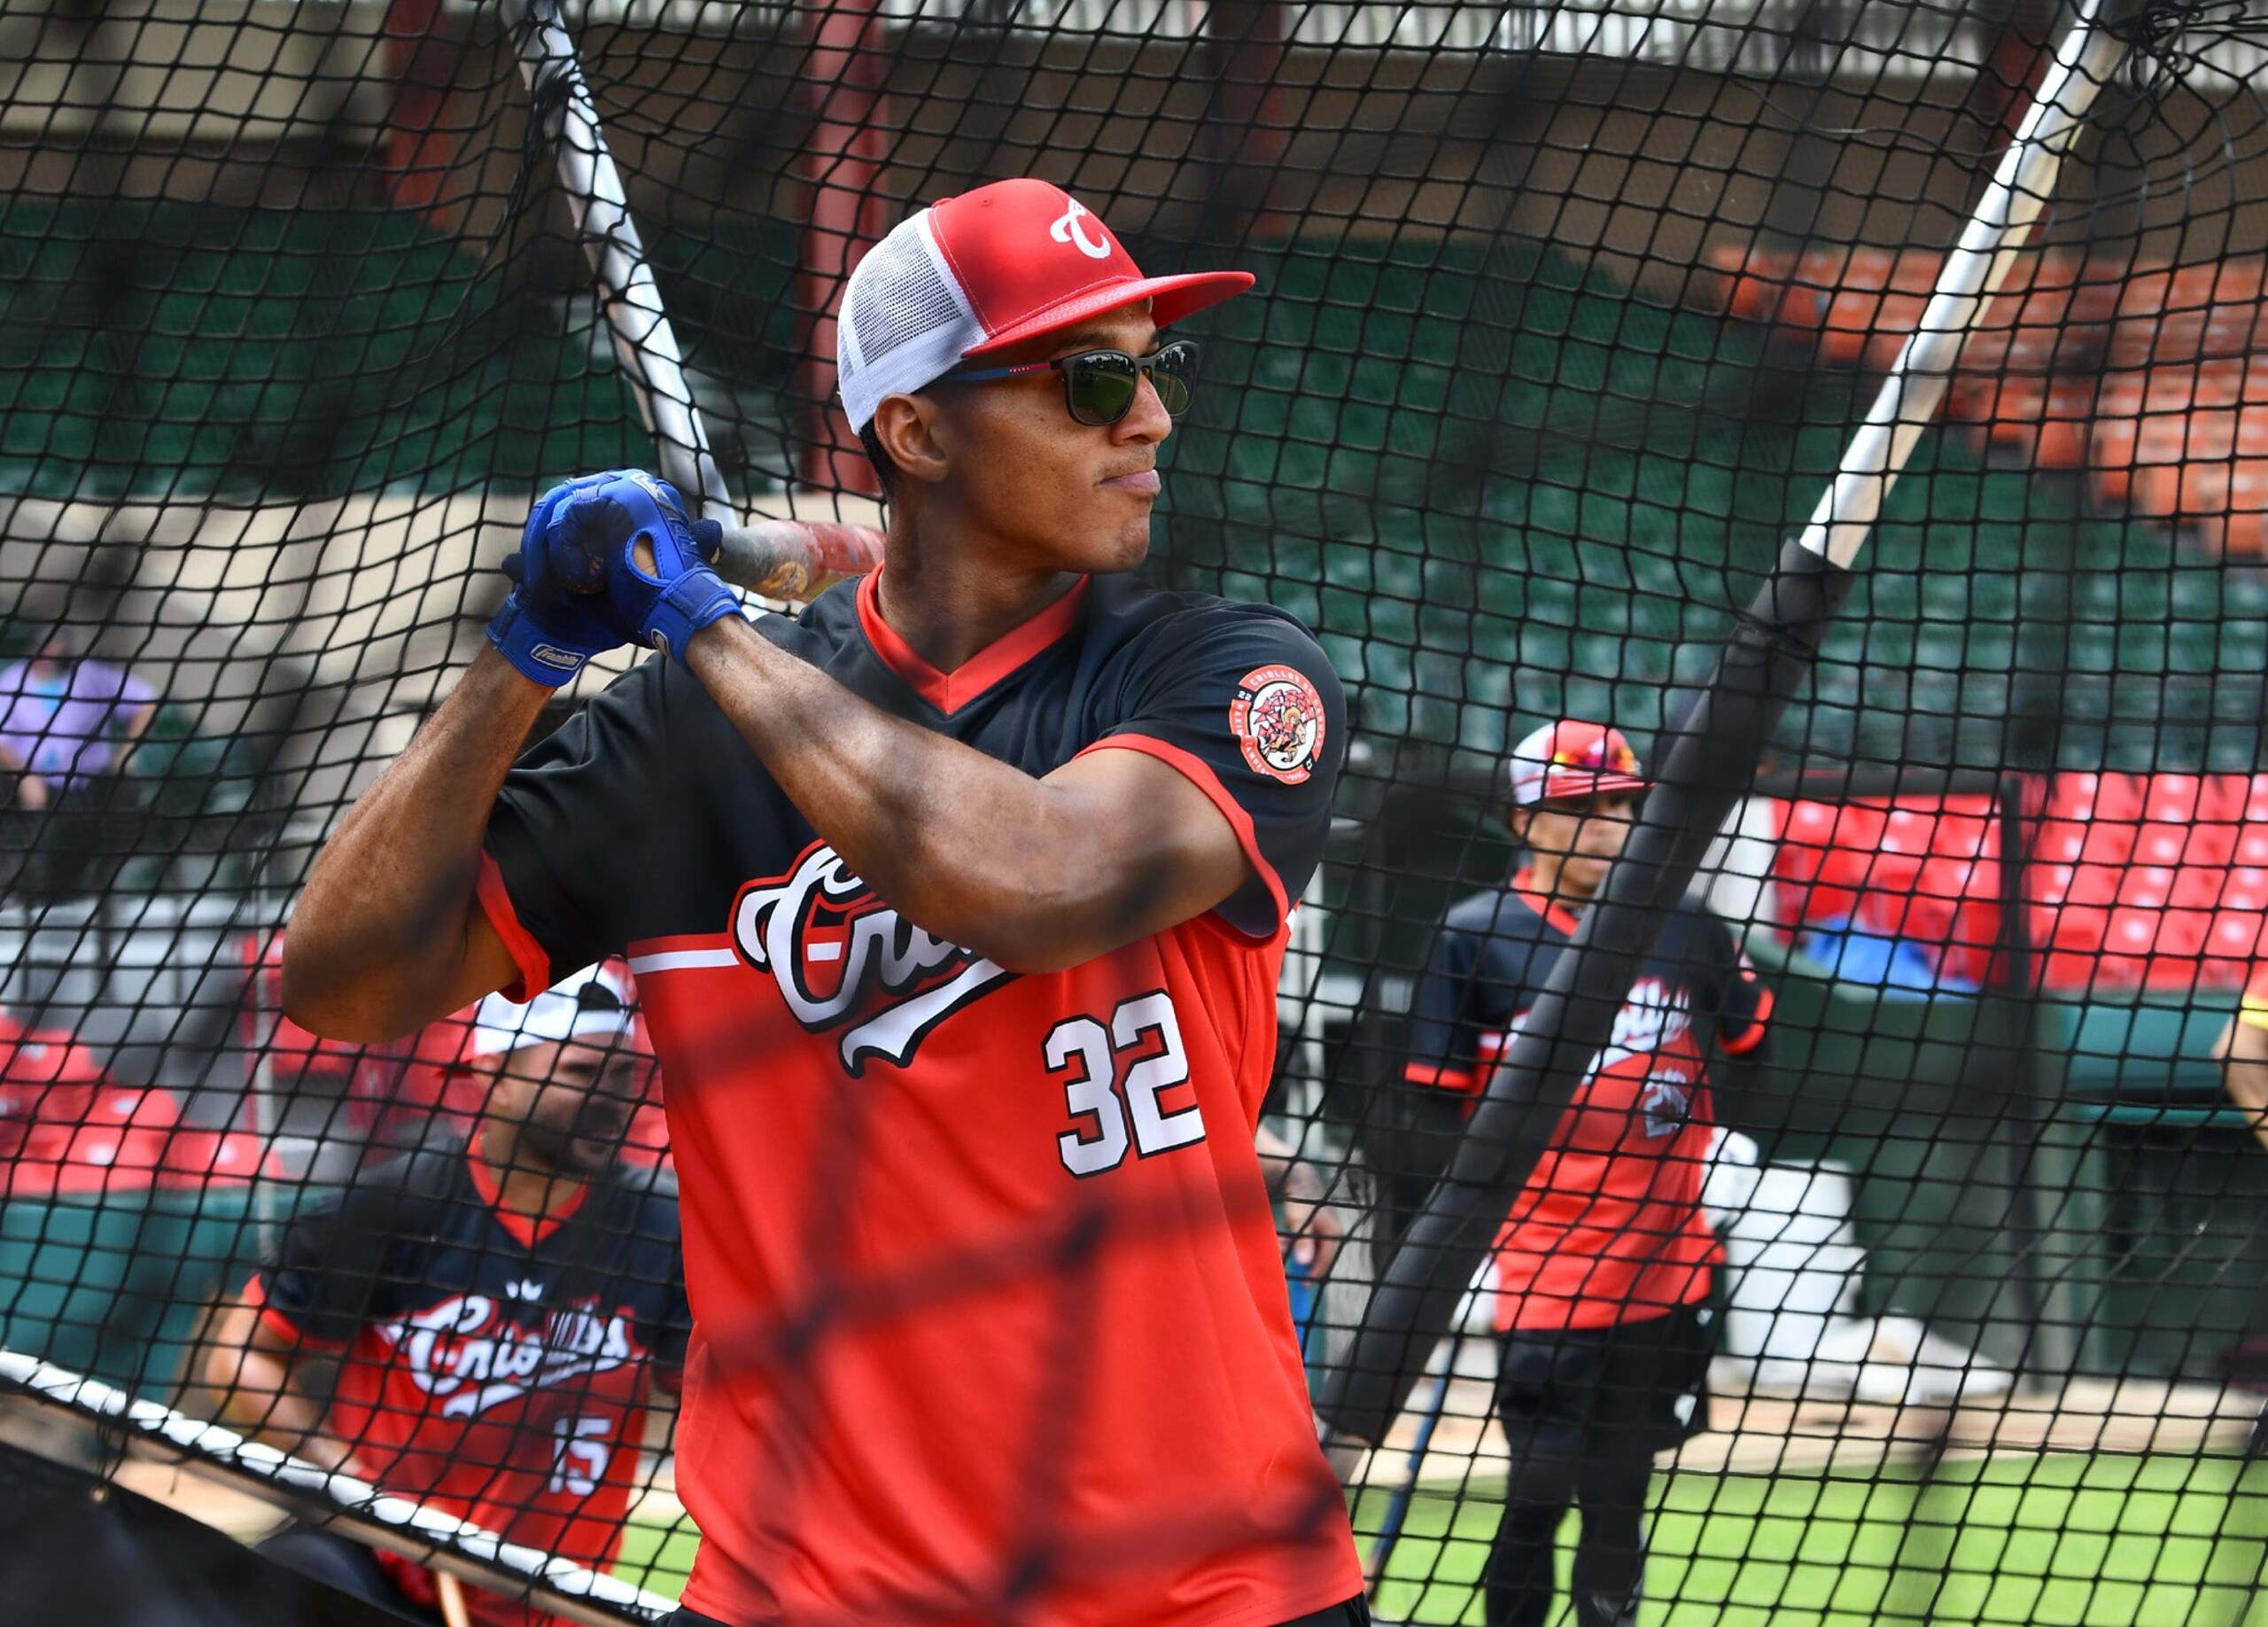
<point>1708,768</point>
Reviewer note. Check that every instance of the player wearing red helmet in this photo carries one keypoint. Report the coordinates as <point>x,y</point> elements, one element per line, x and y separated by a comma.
<point>1604,1265</point>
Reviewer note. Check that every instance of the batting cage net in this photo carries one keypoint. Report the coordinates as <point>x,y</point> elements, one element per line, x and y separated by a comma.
<point>1765,1123</point>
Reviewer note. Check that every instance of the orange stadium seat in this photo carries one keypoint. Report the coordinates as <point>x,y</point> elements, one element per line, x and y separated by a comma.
<point>2185,464</point>
<point>2141,417</point>
<point>2248,517</point>
<point>2179,315</point>
<point>1752,281</point>
<point>1868,327</point>
<point>2012,406</point>
<point>2066,422</point>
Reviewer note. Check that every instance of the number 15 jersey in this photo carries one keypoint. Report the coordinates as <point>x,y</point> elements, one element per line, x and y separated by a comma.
<point>990,1321</point>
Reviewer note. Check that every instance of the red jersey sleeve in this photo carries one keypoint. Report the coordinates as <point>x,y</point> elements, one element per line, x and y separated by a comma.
<point>1240,699</point>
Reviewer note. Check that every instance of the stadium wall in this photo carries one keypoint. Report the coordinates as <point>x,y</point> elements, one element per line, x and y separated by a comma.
<point>1646,165</point>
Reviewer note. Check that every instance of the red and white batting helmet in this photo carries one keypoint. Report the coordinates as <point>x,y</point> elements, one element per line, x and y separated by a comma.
<point>975,274</point>
<point>1569,760</point>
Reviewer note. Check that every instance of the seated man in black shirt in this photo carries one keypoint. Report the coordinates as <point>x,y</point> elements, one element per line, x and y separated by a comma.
<point>479,1325</point>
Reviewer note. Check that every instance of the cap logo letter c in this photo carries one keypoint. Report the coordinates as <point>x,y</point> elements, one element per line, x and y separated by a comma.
<point>1070,229</point>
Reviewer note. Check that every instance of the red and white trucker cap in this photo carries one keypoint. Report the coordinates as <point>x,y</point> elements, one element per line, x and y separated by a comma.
<point>1571,759</point>
<point>991,268</point>
<point>592,1005</point>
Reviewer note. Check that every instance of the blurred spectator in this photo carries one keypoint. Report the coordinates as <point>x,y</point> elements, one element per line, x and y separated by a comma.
<point>2243,1051</point>
<point>66,728</point>
<point>479,1325</point>
<point>1308,1227</point>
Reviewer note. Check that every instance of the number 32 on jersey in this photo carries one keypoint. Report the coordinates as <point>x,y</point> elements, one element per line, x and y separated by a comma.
<point>1113,1078</point>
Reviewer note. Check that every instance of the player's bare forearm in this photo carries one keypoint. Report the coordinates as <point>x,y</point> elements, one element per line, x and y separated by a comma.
<point>2243,1049</point>
<point>1036,874</point>
<point>262,1395</point>
<point>387,935</point>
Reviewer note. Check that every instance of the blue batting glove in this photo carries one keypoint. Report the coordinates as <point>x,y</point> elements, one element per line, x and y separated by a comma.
<point>549,627</point>
<point>593,540</point>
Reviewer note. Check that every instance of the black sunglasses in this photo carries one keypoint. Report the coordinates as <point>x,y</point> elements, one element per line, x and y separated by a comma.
<point>1099,386</point>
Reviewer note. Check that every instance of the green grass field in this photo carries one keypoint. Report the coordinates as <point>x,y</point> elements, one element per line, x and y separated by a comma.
<point>2062,1539</point>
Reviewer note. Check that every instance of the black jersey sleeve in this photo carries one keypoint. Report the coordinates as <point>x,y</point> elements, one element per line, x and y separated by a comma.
<point>1240,699</point>
<point>1445,1016</point>
<point>343,1261</point>
<point>659,1260</point>
<point>567,843</point>
<point>1743,1002</point>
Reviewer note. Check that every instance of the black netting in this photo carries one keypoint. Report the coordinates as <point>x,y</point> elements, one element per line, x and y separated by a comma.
<point>1566,315</point>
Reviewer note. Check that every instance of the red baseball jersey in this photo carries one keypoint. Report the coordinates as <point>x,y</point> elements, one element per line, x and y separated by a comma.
<point>990,1324</point>
<point>1610,1226</point>
<point>492,1368</point>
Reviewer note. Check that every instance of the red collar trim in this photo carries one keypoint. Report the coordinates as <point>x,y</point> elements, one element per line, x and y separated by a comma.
<point>529,1230</point>
<point>949,692</point>
<point>1543,906</point>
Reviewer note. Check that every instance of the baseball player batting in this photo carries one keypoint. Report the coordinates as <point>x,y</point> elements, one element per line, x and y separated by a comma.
<point>957,908</point>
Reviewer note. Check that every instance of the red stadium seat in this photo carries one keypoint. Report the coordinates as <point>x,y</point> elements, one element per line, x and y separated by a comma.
<point>197,1157</point>
<point>48,1084</point>
<point>125,1137</point>
<point>2133,879</point>
<point>1754,280</point>
<point>2236,933</point>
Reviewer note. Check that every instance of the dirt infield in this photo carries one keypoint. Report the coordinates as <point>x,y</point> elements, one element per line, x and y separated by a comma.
<point>1759,1435</point>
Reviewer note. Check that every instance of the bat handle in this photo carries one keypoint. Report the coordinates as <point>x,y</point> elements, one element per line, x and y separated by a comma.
<point>454,1612</point>
<point>795,559</point>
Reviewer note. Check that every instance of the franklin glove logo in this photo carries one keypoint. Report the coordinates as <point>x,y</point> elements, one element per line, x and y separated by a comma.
<point>845,960</point>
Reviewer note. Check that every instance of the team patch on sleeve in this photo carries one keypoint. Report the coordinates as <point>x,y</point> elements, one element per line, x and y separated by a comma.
<point>1277,718</point>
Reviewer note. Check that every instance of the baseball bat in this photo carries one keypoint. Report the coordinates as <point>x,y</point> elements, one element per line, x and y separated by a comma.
<point>454,1611</point>
<point>628,297</point>
<point>795,559</point>
<point>777,559</point>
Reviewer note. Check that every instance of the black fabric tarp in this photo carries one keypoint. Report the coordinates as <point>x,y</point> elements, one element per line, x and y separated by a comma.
<point>76,1548</point>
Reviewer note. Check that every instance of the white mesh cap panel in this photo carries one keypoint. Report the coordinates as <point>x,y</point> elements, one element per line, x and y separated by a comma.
<point>904,321</point>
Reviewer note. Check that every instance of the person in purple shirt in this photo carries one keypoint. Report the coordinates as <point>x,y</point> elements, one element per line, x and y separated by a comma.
<point>67,725</point>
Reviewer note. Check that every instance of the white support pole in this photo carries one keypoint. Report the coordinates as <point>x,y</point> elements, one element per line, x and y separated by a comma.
<point>1973,273</point>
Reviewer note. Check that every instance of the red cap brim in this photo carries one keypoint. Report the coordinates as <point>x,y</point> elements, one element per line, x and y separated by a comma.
<point>1171,299</point>
<point>1579,787</point>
